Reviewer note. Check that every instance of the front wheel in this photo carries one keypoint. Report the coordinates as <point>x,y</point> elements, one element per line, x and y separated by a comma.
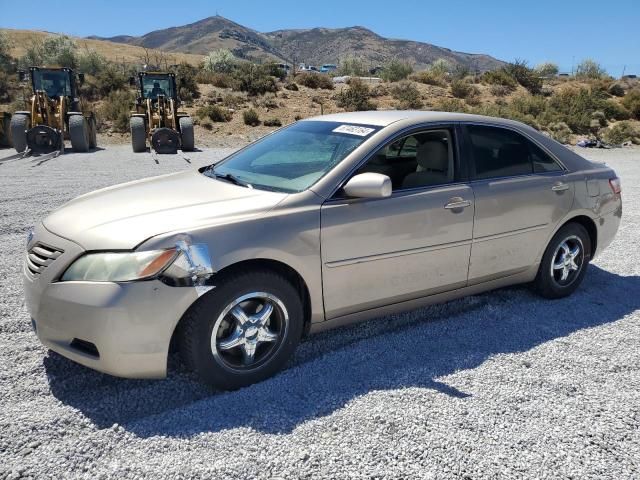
<point>564,263</point>
<point>243,331</point>
<point>79,133</point>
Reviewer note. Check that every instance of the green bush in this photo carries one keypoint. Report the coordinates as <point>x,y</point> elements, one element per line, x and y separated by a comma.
<point>500,77</point>
<point>632,102</point>
<point>354,67</point>
<point>5,90</point>
<point>251,117</point>
<point>429,78</point>
<point>589,69</point>
<point>451,105</point>
<point>499,90</point>
<point>622,132</point>
<point>547,69</point>
<point>91,62</point>
<point>440,67</point>
<point>408,96</point>
<point>315,80</point>
<point>254,79</point>
<point>462,89</point>
<point>109,79</point>
<point>616,90</point>
<point>272,122</point>
<point>533,105</point>
<point>59,50</point>
<point>560,131</point>
<point>214,113</point>
<point>220,61</point>
<point>291,86</point>
<point>575,107</point>
<point>117,109</point>
<point>615,111</point>
<point>186,81</point>
<point>6,61</point>
<point>396,70</point>
<point>525,76</point>
<point>355,97</point>
<point>220,80</point>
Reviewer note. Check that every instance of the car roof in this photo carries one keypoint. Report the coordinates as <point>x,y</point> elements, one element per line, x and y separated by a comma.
<point>383,118</point>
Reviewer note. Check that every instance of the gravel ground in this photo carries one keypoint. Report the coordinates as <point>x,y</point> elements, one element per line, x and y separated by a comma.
<point>500,385</point>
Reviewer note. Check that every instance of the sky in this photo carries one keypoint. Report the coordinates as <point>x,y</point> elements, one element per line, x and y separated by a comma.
<point>562,31</point>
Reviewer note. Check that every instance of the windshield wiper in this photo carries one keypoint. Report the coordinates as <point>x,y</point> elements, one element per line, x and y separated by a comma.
<point>231,178</point>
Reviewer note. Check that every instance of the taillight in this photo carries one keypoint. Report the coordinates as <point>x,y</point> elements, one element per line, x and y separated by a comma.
<point>616,186</point>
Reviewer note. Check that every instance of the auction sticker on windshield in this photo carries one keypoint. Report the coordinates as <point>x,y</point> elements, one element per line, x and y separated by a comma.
<point>354,130</point>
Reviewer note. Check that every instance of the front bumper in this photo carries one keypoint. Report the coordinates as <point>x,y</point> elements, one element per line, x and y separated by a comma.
<point>130,324</point>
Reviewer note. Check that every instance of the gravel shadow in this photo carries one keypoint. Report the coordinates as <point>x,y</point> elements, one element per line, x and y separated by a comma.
<point>414,349</point>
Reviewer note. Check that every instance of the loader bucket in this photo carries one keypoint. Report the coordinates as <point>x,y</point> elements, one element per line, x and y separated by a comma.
<point>43,139</point>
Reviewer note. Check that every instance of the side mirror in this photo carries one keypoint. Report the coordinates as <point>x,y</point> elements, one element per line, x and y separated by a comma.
<point>368,185</point>
<point>81,78</point>
<point>22,75</point>
<point>132,81</point>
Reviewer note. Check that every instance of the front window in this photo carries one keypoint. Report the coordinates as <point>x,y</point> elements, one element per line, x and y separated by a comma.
<point>55,83</point>
<point>294,158</point>
<point>152,86</point>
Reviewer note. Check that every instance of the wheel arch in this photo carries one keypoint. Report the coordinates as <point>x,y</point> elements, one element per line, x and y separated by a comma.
<point>590,226</point>
<point>261,264</point>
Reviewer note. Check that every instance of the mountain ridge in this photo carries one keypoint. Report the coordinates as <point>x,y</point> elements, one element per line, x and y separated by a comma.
<point>311,45</point>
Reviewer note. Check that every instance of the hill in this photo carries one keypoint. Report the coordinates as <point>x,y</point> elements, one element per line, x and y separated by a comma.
<point>313,46</point>
<point>21,40</point>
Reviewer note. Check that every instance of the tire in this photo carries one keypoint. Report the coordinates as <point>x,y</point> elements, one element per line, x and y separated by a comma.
<point>93,133</point>
<point>186,133</point>
<point>556,262</point>
<point>138,134</point>
<point>19,126</point>
<point>79,133</point>
<point>214,358</point>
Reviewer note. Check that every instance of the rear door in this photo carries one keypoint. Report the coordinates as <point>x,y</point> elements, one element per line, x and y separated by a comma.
<point>521,193</point>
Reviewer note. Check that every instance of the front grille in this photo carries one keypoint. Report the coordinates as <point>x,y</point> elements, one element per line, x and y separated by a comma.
<point>40,257</point>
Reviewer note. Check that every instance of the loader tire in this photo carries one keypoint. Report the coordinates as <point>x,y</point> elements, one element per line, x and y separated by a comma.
<point>186,133</point>
<point>138,135</point>
<point>93,133</point>
<point>19,126</point>
<point>79,133</point>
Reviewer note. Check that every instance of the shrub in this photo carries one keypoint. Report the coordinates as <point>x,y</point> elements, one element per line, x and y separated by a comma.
<point>6,62</point>
<point>220,61</point>
<point>460,72</point>
<point>575,107</point>
<point>5,91</point>
<point>440,67</point>
<point>251,117</point>
<point>92,63</point>
<point>315,80</point>
<point>462,89</point>
<point>272,122</point>
<point>533,105</point>
<point>109,79</point>
<point>408,96</point>
<point>355,97</point>
<point>233,101</point>
<point>614,111</point>
<point>632,102</point>
<point>117,109</point>
<point>275,70</point>
<point>429,78</point>
<point>186,81</point>
<point>395,70</point>
<point>254,79</point>
<point>499,90</point>
<point>622,132</point>
<point>589,69</point>
<point>214,113</point>
<point>500,77</point>
<point>220,80</point>
<point>560,131</point>
<point>525,76</point>
<point>207,125</point>
<point>547,69</point>
<point>616,90</point>
<point>354,67</point>
<point>57,50</point>
<point>451,105</point>
<point>291,86</point>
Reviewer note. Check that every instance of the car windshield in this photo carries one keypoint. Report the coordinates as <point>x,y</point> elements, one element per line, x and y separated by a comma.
<point>152,86</point>
<point>55,83</point>
<point>294,158</point>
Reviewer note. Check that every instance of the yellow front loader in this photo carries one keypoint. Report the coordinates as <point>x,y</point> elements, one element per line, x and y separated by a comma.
<point>156,117</point>
<point>55,114</point>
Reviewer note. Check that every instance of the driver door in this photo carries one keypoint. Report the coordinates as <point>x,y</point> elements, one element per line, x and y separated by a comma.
<point>414,243</point>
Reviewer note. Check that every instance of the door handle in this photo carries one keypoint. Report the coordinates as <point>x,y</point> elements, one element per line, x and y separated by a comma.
<point>560,187</point>
<point>457,203</point>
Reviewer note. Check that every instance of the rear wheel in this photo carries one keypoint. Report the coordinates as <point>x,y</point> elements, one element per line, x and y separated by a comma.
<point>243,331</point>
<point>79,133</point>
<point>138,134</point>
<point>186,133</point>
<point>19,127</point>
<point>564,263</point>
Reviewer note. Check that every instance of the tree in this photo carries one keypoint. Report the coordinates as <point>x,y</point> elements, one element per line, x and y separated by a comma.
<point>590,69</point>
<point>220,61</point>
<point>547,69</point>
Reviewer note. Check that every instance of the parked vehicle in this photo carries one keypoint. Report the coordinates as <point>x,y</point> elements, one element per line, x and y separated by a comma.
<point>329,221</point>
<point>328,67</point>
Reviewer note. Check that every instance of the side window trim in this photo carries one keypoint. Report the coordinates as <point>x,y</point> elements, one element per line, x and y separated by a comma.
<point>455,132</point>
<point>471,163</point>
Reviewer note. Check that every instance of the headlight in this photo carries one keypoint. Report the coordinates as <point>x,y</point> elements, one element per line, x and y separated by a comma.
<point>119,266</point>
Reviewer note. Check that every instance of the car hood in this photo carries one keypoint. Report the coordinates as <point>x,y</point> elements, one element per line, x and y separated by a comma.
<point>123,216</point>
